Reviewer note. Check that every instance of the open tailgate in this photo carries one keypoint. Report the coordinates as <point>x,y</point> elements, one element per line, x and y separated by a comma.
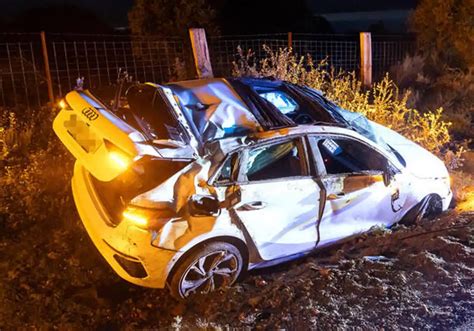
<point>96,137</point>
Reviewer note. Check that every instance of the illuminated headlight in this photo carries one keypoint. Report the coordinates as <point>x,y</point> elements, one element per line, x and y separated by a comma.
<point>146,218</point>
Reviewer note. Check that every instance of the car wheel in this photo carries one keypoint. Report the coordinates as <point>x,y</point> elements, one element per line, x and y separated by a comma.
<point>210,267</point>
<point>429,207</point>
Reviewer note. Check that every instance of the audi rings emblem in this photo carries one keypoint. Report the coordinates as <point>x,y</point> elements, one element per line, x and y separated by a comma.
<point>90,114</point>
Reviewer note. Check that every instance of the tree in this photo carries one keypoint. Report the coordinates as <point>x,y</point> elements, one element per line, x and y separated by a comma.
<point>169,18</point>
<point>445,29</point>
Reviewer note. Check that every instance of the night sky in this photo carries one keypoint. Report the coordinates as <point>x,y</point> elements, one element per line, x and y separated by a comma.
<point>114,12</point>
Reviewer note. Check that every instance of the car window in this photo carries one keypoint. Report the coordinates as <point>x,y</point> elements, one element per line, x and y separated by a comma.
<point>226,172</point>
<point>281,100</point>
<point>342,155</point>
<point>274,161</point>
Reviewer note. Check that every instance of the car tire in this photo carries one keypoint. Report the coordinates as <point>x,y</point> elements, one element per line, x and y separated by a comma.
<point>429,208</point>
<point>209,267</point>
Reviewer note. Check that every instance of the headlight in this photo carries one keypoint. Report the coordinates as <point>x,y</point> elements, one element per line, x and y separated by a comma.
<point>147,218</point>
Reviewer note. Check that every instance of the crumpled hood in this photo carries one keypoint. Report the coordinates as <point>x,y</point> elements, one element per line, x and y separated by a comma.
<point>419,161</point>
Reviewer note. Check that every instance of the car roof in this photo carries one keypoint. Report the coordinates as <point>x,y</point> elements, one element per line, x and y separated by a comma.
<point>231,143</point>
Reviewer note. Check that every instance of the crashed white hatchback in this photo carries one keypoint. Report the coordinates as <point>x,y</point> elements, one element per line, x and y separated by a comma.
<point>195,182</point>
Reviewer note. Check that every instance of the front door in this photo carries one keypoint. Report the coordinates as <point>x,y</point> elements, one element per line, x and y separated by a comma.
<point>358,195</point>
<point>279,200</point>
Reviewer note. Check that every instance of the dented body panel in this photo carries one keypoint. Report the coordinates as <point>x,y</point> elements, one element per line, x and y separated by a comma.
<point>275,193</point>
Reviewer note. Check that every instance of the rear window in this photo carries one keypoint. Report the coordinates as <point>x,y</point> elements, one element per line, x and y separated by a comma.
<point>151,113</point>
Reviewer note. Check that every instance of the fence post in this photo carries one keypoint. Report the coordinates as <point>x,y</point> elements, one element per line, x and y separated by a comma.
<point>290,40</point>
<point>365,58</point>
<point>46,67</point>
<point>202,60</point>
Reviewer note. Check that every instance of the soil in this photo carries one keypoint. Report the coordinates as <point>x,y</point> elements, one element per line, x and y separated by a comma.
<point>407,277</point>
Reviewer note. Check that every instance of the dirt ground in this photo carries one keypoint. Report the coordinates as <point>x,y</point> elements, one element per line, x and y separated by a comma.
<point>418,277</point>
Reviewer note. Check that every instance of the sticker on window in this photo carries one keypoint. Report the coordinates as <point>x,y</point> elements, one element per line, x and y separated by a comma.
<point>332,146</point>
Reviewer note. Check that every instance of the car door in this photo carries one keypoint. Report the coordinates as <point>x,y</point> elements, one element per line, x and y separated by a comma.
<point>363,188</point>
<point>278,199</point>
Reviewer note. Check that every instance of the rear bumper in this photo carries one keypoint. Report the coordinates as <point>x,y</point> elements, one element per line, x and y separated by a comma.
<point>126,248</point>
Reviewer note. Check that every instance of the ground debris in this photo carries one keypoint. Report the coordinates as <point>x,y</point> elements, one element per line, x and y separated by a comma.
<point>407,277</point>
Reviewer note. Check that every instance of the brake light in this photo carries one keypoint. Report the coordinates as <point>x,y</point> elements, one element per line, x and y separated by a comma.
<point>119,160</point>
<point>64,105</point>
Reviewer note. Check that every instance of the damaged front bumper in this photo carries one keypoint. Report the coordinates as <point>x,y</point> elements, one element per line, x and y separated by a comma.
<point>126,247</point>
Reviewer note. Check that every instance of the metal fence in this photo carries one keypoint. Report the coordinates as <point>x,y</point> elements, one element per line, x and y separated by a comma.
<point>98,58</point>
<point>388,51</point>
<point>223,49</point>
<point>22,78</point>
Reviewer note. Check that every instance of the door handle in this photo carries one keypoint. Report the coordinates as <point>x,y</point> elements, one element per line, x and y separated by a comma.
<point>335,196</point>
<point>254,205</point>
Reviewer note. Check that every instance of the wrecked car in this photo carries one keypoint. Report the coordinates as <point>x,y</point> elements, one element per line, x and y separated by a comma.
<point>193,183</point>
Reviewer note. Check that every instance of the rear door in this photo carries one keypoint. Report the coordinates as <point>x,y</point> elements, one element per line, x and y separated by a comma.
<point>107,144</point>
<point>279,199</point>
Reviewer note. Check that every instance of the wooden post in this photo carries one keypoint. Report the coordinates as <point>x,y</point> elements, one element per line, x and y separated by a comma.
<point>202,60</point>
<point>290,40</point>
<point>366,58</point>
<point>47,71</point>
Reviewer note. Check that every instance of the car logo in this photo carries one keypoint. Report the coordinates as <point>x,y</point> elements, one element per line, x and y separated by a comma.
<point>90,114</point>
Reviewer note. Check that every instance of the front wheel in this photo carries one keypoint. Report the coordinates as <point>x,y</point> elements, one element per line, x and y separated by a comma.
<point>210,267</point>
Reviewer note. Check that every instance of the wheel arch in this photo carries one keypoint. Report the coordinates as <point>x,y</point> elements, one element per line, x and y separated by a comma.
<point>412,213</point>
<point>237,242</point>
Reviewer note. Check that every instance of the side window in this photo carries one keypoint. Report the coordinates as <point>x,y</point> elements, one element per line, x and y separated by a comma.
<point>274,161</point>
<point>226,174</point>
<point>342,155</point>
<point>281,100</point>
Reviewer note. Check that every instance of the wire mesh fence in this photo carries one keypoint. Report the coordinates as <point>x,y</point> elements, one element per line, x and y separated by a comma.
<point>99,58</point>
<point>340,51</point>
<point>22,78</point>
<point>387,53</point>
<point>223,49</point>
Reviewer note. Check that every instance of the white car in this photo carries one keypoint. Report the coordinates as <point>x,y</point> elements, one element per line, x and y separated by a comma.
<point>195,182</point>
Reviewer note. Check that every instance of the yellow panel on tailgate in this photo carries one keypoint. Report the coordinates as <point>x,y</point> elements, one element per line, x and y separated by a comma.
<point>95,136</point>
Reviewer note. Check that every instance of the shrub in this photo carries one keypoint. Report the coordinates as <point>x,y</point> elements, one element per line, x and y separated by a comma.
<point>445,31</point>
<point>34,184</point>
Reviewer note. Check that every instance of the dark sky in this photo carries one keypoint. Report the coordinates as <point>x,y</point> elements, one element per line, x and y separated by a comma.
<point>115,11</point>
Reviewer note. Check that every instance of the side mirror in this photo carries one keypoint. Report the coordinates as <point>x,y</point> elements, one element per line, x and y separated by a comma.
<point>203,205</point>
<point>388,175</point>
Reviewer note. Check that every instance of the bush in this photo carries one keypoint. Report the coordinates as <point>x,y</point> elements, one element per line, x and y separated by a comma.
<point>34,185</point>
<point>445,31</point>
<point>445,87</point>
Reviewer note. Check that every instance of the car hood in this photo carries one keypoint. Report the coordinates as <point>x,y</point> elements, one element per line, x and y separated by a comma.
<point>419,161</point>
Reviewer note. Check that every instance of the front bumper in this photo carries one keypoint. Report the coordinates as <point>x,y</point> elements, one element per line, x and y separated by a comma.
<point>126,248</point>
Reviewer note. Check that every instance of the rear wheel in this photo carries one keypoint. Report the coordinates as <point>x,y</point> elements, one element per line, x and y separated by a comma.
<point>210,267</point>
